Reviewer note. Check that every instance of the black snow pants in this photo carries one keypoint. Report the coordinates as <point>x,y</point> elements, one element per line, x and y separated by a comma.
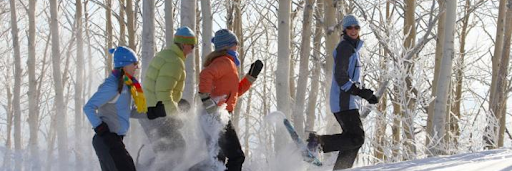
<point>348,142</point>
<point>113,157</point>
<point>231,149</point>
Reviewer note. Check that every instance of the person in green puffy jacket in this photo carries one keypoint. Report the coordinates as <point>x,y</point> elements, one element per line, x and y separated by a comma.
<point>163,86</point>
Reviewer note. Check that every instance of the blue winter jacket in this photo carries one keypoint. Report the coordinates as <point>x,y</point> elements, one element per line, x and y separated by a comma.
<point>109,106</point>
<point>347,68</point>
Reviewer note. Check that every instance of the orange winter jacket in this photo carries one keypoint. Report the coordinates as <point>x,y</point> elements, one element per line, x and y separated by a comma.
<point>220,78</point>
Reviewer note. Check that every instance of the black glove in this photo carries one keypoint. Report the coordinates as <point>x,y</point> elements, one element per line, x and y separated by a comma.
<point>373,100</point>
<point>255,69</point>
<point>102,129</point>
<point>110,139</point>
<point>363,93</point>
<point>157,111</point>
<point>184,105</point>
<point>209,105</point>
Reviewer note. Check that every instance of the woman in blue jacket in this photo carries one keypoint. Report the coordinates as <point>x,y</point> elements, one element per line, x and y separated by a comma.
<point>346,94</point>
<point>110,108</point>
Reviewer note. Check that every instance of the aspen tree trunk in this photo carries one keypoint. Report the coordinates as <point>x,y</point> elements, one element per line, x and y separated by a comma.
<point>17,86</point>
<point>78,85</point>
<point>283,69</point>
<point>496,64</point>
<point>148,34</point>
<point>33,109</point>
<point>305,51</point>
<point>130,19</point>
<point>247,125</point>
<point>51,143</point>
<point>237,30</point>
<point>315,74</point>
<point>380,120</point>
<point>108,15</point>
<point>197,56</point>
<point>169,24</point>
<point>454,126</point>
<point>88,151</point>
<point>331,40</point>
<point>7,156</point>
<point>90,70</point>
<point>439,118</point>
<point>207,27</point>
<point>407,115</point>
<point>230,6</point>
<point>122,26</point>
<point>60,115</point>
<point>501,81</point>
<point>188,18</point>
<point>395,128</point>
<point>437,68</point>
<point>293,58</point>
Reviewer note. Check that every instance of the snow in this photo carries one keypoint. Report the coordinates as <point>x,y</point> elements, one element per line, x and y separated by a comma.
<point>499,159</point>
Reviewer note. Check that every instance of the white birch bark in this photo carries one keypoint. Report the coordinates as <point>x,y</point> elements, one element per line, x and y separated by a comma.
<point>408,114</point>
<point>57,81</point>
<point>148,34</point>
<point>89,151</point>
<point>305,52</point>
<point>439,118</point>
<point>8,142</point>
<point>33,109</point>
<point>496,64</point>
<point>17,86</point>
<point>501,81</point>
<point>169,25</point>
<point>188,18</point>
<point>207,27</point>
<point>130,19</point>
<point>122,28</point>
<point>498,46</point>
<point>108,38</point>
<point>438,58</point>
<point>315,74</point>
<point>237,30</point>
<point>78,84</point>
<point>283,65</point>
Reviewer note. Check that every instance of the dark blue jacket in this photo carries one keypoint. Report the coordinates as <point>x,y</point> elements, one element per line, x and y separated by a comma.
<point>347,68</point>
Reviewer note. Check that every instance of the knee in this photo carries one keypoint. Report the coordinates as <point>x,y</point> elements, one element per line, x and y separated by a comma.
<point>240,158</point>
<point>359,139</point>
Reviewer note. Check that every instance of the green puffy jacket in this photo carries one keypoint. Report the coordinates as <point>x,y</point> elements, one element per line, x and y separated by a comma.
<point>165,79</point>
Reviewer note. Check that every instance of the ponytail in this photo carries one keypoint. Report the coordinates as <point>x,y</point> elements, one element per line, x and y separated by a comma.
<point>120,81</point>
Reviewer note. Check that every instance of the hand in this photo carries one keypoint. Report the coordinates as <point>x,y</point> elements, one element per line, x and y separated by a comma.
<point>157,111</point>
<point>102,129</point>
<point>373,100</point>
<point>209,105</point>
<point>365,93</point>
<point>109,138</point>
<point>255,69</point>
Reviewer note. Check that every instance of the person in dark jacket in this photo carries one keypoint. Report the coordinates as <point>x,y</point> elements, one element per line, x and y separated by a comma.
<point>346,94</point>
<point>110,108</point>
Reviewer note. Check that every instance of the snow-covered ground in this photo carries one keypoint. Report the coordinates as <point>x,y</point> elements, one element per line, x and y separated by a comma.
<point>492,160</point>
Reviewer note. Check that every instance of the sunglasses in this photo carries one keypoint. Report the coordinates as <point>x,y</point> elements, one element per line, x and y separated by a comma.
<point>136,63</point>
<point>353,27</point>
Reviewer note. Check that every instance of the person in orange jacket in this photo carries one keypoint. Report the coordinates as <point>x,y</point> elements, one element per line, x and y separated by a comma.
<point>219,78</point>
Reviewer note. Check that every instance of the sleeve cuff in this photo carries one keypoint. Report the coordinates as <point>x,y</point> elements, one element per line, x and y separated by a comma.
<point>250,78</point>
